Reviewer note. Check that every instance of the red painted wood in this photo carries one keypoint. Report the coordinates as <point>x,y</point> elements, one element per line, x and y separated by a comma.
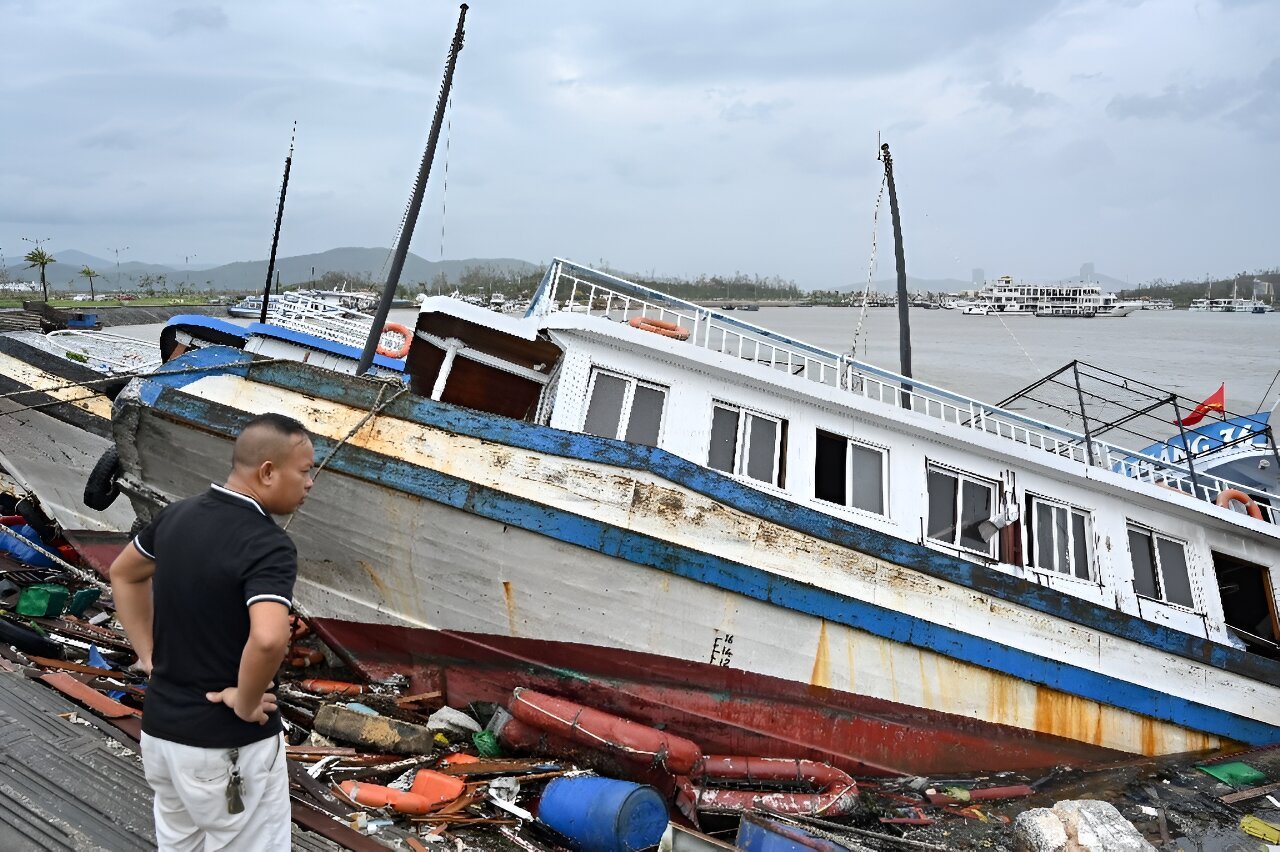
<point>725,710</point>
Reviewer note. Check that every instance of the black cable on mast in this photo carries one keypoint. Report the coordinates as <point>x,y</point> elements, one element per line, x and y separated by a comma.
<point>415,204</point>
<point>275,237</point>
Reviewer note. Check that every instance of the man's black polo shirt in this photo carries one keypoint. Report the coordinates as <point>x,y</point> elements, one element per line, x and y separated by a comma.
<point>215,554</point>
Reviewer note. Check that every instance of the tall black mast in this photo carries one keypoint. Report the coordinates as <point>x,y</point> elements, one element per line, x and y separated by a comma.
<point>904,304</point>
<point>415,204</point>
<point>275,237</point>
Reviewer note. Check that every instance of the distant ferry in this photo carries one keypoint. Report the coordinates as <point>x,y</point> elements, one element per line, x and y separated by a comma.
<point>1157,304</point>
<point>1004,297</point>
<point>1228,306</point>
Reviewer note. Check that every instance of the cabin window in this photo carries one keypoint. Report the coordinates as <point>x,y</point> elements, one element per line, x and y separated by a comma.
<point>1060,538</point>
<point>958,504</point>
<point>848,473</point>
<point>1160,567</point>
<point>624,408</point>
<point>747,443</point>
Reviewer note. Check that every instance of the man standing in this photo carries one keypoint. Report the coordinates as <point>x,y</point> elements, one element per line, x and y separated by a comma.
<point>204,593</point>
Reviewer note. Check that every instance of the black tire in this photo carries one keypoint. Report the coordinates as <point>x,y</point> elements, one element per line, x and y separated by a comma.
<point>102,488</point>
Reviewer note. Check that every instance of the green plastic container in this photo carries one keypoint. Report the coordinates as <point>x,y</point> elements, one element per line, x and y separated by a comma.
<point>43,600</point>
<point>82,600</point>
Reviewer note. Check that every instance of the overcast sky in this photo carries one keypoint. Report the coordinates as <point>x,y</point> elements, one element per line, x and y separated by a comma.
<point>667,137</point>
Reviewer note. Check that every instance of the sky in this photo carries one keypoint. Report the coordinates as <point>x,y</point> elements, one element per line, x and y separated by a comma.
<point>664,138</point>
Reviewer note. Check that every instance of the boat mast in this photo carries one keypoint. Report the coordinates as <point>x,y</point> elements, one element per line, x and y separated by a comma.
<point>275,237</point>
<point>415,204</point>
<point>904,306</point>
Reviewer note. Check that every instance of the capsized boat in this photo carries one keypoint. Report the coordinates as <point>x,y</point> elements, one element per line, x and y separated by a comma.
<point>55,416</point>
<point>668,513</point>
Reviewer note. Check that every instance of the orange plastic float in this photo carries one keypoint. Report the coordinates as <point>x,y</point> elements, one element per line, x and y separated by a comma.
<point>657,326</point>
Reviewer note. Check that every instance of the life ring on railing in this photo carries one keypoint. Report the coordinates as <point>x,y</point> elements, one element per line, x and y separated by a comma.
<point>657,326</point>
<point>405,335</point>
<point>1225,499</point>
<point>836,794</point>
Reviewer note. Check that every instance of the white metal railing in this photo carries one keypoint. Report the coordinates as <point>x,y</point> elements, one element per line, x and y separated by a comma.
<point>568,286</point>
<point>322,319</point>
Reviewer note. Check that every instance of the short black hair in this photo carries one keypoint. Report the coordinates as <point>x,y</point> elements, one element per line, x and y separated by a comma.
<point>265,437</point>
<point>282,423</point>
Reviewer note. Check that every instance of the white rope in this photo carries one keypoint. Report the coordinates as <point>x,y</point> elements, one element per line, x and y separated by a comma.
<point>871,270</point>
<point>378,405</point>
<point>79,573</point>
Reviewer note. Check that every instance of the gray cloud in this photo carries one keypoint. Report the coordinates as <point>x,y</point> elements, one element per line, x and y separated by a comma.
<point>671,136</point>
<point>1017,97</point>
<point>1177,101</point>
<point>194,18</point>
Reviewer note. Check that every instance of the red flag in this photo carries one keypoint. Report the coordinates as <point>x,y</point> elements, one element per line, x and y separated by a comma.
<point>1216,402</point>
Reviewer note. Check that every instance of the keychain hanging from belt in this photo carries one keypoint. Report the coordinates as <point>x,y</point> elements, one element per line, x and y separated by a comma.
<point>235,785</point>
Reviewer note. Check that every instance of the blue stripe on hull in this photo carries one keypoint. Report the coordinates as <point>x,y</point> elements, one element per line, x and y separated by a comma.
<point>743,579</point>
<point>554,442</point>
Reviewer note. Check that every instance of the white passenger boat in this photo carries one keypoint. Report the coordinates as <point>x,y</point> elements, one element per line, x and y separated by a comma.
<point>766,546</point>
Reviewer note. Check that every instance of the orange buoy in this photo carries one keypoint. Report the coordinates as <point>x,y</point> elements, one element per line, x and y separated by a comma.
<point>377,796</point>
<point>1230,495</point>
<point>320,686</point>
<point>657,326</point>
<point>436,787</point>
<point>606,731</point>
<point>836,793</point>
<point>458,759</point>
<point>406,338</point>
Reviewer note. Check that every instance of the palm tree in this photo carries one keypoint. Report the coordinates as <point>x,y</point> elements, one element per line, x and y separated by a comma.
<point>41,258</point>
<point>90,274</point>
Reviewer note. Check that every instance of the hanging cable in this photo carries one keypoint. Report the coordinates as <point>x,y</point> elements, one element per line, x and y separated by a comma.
<point>444,184</point>
<point>871,270</point>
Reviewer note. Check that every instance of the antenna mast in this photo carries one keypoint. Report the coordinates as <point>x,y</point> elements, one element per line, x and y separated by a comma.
<point>415,203</point>
<point>275,237</point>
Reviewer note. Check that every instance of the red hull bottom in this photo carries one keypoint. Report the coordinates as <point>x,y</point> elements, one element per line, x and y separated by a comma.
<point>725,710</point>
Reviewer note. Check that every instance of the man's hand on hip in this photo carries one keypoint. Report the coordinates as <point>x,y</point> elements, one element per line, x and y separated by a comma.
<point>253,712</point>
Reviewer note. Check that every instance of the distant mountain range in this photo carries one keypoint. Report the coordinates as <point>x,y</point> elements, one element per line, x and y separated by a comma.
<point>363,266</point>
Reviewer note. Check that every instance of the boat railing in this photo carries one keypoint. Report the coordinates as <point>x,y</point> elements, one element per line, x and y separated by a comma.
<point>320,318</point>
<point>578,289</point>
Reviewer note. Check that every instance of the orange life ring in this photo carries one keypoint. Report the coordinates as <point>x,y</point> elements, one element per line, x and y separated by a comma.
<point>405,335</point>
<point>1225,498</point>
<point>837,793</point>
<point>657,326</point>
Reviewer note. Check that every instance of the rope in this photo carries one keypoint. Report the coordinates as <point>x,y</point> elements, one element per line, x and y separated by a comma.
<point>1263,400</point>
<point>123,376</point>
<point>378,405</point>
<point>444,187</point>
<point>871,269</point>
<point>78,573</point>
<point>1017,342</point>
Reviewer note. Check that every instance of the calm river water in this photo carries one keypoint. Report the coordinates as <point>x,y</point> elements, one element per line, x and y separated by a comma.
<point>991,357</point>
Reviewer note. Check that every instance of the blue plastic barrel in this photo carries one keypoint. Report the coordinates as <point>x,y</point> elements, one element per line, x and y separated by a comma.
<point>757,834</point>
<point>604,814</point>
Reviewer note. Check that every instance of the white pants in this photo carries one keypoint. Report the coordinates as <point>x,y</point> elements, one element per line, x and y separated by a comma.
<point>190,787</point>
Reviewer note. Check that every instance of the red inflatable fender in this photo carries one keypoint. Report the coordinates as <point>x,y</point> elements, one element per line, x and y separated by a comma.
<point>836,794</point>
<point>599,729</point>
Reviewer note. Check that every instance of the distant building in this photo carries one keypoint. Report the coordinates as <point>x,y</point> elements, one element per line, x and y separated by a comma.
<point>1086,272</point>
<point>979,277</point>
